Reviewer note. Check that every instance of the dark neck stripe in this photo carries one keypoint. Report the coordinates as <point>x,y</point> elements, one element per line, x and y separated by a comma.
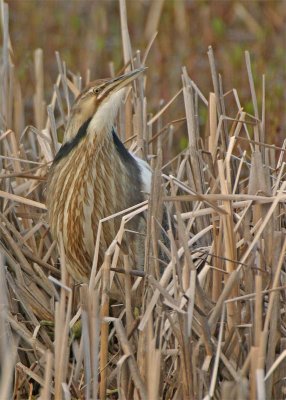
<point>124,154</point>
<point>69,146</point>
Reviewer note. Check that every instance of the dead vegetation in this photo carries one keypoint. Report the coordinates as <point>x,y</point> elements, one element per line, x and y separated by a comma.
<point>208,319</point>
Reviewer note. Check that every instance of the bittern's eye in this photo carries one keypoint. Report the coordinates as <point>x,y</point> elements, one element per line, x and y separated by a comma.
<point>96,91</point>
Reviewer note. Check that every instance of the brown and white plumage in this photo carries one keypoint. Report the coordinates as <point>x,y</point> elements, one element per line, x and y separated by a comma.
<point>93,176</point>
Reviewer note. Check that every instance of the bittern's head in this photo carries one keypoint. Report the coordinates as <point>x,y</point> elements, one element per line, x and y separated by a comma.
<point>99,101</point>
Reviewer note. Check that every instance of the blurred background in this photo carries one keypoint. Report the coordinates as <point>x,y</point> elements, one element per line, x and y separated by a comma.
<point>87,35</point>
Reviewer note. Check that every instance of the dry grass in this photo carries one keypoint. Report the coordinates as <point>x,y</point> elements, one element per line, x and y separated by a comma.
<point>206,321</point>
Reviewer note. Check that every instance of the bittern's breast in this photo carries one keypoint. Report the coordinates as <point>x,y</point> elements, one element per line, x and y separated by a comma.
<point>89,184</point>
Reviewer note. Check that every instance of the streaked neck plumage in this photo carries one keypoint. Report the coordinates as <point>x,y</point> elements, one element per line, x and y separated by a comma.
<point>101,121</point>
<point>93,176</point>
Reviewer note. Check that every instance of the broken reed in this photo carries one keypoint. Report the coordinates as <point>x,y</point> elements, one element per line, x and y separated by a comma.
<point>195,324</point>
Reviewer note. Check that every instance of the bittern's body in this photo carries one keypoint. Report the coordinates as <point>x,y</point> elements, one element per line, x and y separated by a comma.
<point>93,176</point>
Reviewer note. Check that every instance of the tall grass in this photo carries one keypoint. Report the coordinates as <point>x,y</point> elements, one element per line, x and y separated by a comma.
<point>206,317</point>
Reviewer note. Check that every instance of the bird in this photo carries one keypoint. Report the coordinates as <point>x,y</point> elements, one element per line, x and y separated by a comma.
<point>94,176</point>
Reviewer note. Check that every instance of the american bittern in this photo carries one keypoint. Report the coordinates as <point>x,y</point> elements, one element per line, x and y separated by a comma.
<point>93,175</point>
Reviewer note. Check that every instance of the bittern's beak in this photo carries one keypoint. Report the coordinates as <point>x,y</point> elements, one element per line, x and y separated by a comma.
<point>120,81</point>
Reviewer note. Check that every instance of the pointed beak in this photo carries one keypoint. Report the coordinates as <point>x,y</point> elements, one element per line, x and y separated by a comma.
<point>120,81</point>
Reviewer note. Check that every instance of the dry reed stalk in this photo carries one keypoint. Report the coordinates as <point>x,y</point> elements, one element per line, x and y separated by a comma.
<point>62,319</point>
<point>154,362</point>
<point>212,125</point>
<point>128,296</point>
<point>7,347</point>
<point>215,82</point>
<point>217,276</point>
<point>46,389</point>
<point>138,382</point>
<point>153,18</point>
<point>229,244</point>
<point>85,313</point>
<point>39,102</point>
<point>127,54</point>
<point>104,325</point>
<point>205,318</point>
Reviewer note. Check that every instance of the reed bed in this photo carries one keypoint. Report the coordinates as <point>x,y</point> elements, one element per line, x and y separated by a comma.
<point>206,317</point>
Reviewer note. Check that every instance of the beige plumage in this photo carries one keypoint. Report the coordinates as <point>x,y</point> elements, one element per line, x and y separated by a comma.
<point>93,176</point>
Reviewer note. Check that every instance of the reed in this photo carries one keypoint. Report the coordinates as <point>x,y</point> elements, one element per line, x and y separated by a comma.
<point>206,317</point>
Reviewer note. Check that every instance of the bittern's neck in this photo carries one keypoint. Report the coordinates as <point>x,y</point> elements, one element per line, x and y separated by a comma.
<point>101,119</point>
